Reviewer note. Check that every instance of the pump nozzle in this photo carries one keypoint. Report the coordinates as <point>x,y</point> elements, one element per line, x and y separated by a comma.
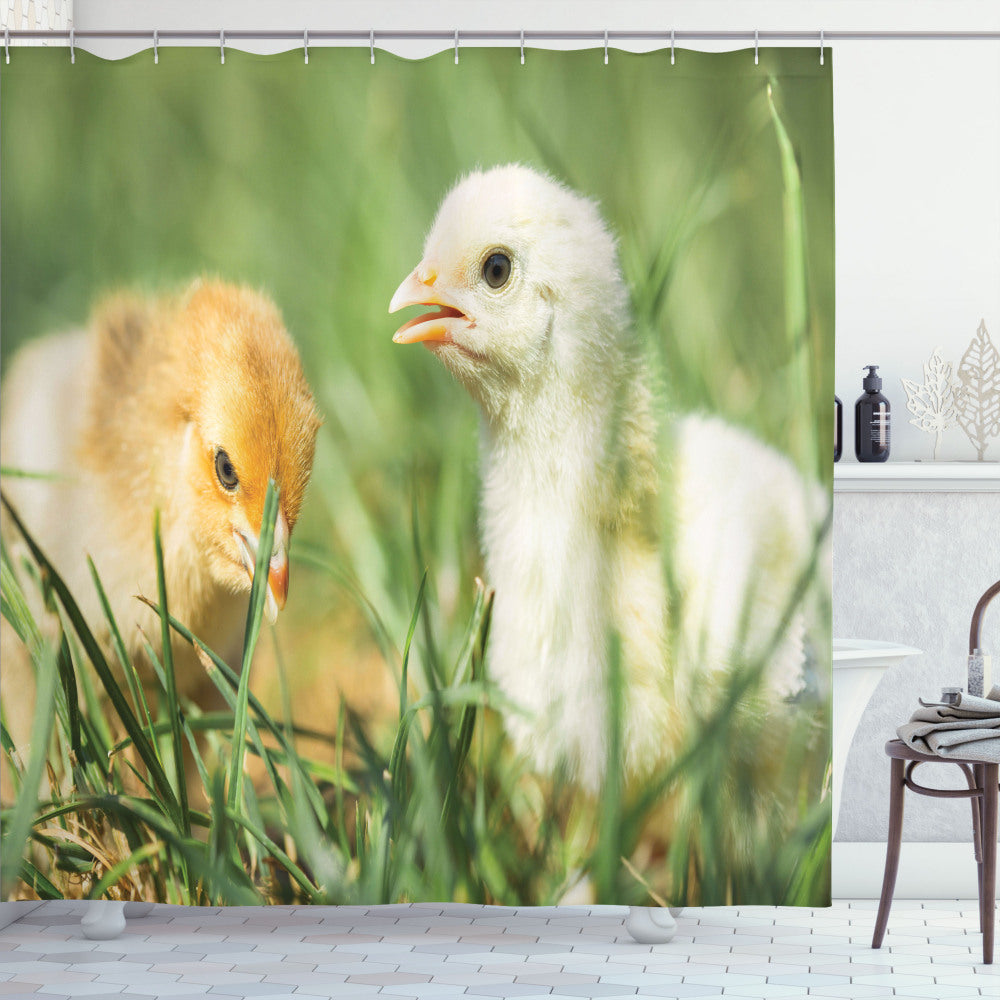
<point>872,382</point>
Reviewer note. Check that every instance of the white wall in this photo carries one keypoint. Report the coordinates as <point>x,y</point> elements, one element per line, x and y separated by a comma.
<point>917,130</point>
<point>909,568</point>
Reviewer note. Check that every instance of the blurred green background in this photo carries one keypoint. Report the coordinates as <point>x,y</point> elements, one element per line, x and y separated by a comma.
<point>317,184</point>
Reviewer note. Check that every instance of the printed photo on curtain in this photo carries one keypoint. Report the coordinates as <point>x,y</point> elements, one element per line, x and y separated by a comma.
<point>416,477</point>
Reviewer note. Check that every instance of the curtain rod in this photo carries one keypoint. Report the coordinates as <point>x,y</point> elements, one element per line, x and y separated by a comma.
<point>370,36</point>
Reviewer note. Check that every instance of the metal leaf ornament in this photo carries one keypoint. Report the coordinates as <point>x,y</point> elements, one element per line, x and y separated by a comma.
<point>935,404</point>
<point>979,406</point>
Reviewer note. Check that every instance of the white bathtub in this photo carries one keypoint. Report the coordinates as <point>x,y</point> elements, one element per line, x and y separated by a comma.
<point>858,666</point>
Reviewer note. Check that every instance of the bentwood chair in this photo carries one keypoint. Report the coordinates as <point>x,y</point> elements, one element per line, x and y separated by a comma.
<point>981,779</point>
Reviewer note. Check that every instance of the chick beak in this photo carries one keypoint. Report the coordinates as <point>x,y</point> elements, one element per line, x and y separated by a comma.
<point>277,570</point>
<point>277,579</point>
<point>417,290</point>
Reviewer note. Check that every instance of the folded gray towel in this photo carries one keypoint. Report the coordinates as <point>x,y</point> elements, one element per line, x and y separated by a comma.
<point>968,729</point>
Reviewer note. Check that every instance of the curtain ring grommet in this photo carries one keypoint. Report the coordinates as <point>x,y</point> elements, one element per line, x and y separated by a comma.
<point>456,46</point>
<point>72,45</point>
<point>821,46</point>
<point>371,44</point>
<point>605,46</point>
<point>156,46</point>
<point>756,48</point>
<point>222,47</point>
<point>522,46</point>
<point>671,46</point>
<point>305,45</point>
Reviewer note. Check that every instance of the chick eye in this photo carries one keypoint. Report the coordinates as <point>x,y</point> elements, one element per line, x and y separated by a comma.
<point>226,471</point>
<point>496,270</point>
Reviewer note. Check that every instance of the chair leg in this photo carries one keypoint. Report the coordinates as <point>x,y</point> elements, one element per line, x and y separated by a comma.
<point>896,790</point>
<point>988,894</point>
<point>977,832</point>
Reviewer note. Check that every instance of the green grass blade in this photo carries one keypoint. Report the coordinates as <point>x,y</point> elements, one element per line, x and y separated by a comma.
<point>434,665</point>
<point>258,596</point>
<point>14,607</point>
<point>340,813</point>
<point>11,473</point>
<point>170,678</point>
<point>313,892</point>
<point>226,683</point>
<point>222,845</point>
<point>479,628</point>
<point>810,879</point>
<point>37,882</point>
<point>607,861</point>
<point>100,663</point>
<point>199,761</point>
<point>414,618</point>
<point>796,281</point>
<point>397,769</point>
<point>166,727</point>
<point>68,679</point>
<point>796,296</point>
<point>94,714</point>
<point>128,667</point>
<point>10,751</point>
<point>18,822</point>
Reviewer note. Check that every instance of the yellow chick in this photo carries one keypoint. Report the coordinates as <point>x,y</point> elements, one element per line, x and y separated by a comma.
<point>188,405</point>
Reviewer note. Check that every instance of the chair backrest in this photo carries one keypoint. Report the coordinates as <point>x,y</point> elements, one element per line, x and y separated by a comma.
<point>977,616</point>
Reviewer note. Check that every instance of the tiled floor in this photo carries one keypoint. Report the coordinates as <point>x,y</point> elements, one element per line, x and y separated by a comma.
<point>932,950</point>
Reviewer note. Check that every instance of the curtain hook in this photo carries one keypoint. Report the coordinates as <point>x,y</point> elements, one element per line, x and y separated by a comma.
<point>522,46</point>
<point>72,45</point>
<point>605,46</point>
<point>222,46</point>
<point>756,42</point>
<point>671,46</point>
<point>6,43</point>
<point>456,46</point>
<point>156,46</point>
<point>305,45</point>
<point>371,44</point>
<point>821,46</point>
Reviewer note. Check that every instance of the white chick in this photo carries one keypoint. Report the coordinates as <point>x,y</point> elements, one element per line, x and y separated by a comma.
<point>532,317</point>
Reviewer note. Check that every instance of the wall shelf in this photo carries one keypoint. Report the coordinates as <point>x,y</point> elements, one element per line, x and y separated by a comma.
<point>916,477</point>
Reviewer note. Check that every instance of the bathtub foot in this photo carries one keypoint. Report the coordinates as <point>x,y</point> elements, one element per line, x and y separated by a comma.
<point>651,924</point>
<point>104,919</point>
<point>137,910</point>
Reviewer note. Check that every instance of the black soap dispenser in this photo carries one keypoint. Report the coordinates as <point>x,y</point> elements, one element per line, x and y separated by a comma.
<point>838,428</point>
<point>871,420</point>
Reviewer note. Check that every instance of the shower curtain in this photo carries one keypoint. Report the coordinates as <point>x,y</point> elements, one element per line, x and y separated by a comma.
<point>552,535</point>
